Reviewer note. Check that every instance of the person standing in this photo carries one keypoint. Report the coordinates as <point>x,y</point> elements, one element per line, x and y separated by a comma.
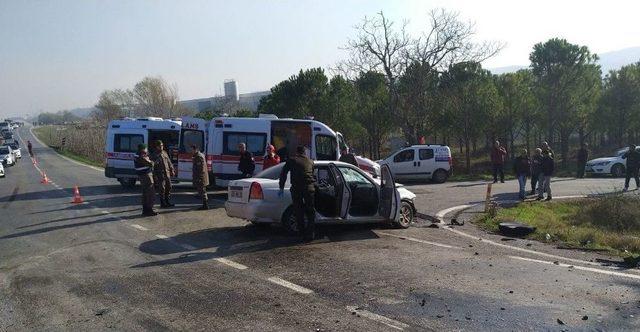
<point>271,159</point>
<point>498,154</point>
<point>544,180</point>
<point>200,175</point>
<point>144,170</point>
<point>582,157</point>
<point>30,148</point>
<point>302,191</point>
<point>522,168</point>
<point>633,163</point>
<point>247,165</point>
<point>547,148</point>
<point>162,172</point>
<point>347,157</point>
<point>536,169</point>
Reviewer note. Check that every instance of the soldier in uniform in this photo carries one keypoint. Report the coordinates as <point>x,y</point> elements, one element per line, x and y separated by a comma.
<point>302,191</point>
<point>200,176</point>
<point>162,172</point>
<point>144,169</point>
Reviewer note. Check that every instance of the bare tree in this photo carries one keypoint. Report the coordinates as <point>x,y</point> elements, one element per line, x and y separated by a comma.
<point>154,97</point>
<point>113,104</point>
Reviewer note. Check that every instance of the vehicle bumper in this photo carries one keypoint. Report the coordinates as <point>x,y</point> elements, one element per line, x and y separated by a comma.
<point>597,170</point>
<point>113,172</point>
<point>258,211</point>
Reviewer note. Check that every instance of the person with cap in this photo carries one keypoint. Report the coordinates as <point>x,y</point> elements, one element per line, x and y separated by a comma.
<point>302,190</point>
<point>247,165</point>
<point>162,172</point>
<point>200,176</point>
<point>633,163</point>
<point>144,170</point>
<point>347,157</point>
<point>271,158</point>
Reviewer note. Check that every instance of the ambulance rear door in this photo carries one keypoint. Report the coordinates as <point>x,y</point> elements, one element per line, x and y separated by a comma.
<point>193,132</point>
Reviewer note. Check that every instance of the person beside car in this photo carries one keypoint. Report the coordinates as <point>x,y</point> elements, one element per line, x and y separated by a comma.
<point>633,163</point>
<point>302,190</point>
<point>200,175</point>
<point>247,165</point>
<point>544,180</point>
<point>271,158</point>
<point>498,154</point>
<point>522,169</point>
<point>347,157</point>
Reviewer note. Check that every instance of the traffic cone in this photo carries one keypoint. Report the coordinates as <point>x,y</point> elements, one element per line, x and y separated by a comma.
<point>45,179</point>
<point>77,199</point>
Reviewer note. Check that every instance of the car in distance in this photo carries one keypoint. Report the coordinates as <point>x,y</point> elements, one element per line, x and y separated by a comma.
<point>420,163</point>
<point>15,148</point>
<point>615,166</point>
<point>345,195</point>
<point>7,156</point>
<point>1,171</point>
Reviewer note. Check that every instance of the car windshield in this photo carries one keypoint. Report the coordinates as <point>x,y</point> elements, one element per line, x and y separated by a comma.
<point>272,173</point>
<point>4,150</point>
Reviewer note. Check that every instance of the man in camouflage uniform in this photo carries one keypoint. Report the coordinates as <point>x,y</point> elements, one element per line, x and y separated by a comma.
<point>144,170</point>
<point>302,189</point>
<point>162,172</point>
<point>200,176</point>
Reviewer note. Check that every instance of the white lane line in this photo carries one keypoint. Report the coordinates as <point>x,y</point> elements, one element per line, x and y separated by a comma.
<point>105,212</point>
<point>136,226</point>
<point>163,237</point>
<point>183,245</point>
<point>583,268</point>
<point>379,318</point>
<point>290,285</point>
<point>231,263</point>
<point>440,215</point>
<point>408,238</point>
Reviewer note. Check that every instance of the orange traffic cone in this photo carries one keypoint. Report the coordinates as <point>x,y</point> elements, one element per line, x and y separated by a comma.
<point>45,179</point>
<point>77,199</point>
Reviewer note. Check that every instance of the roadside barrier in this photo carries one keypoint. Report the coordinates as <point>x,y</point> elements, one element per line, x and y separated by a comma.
<point>77,199</point>
<point>487,202</point>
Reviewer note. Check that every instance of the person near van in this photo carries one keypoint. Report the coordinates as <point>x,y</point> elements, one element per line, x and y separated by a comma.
<point>582,157</point>
<point>347,157</point>
<point>302,189</point>
<point>200,175</point>
<point>544,179</point>
<point>522,169</point>
<point>536,169</point>
<point>247,165</point>
<point>144,170</point>
<point>30,148</point>
<point>162,172</point>
<point>271,158</point>
<point>633,163</point>
<point>498,154</point>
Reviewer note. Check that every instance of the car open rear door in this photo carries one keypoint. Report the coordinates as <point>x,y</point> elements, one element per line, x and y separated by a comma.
<point>343,192</point>
<point>389,195</point>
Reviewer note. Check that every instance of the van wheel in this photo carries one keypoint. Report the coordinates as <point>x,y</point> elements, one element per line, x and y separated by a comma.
<point>440,176</point>
<point>127,182</point>
<point>407,215</point>
<point>289,221</point>
<point>617,170</point>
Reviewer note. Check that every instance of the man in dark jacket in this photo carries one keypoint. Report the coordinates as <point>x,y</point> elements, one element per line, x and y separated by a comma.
<point>200,175</point>
<point>547,168</point>
<point>582,157</point>
<point>522,169</point>
<point>144,170</point>
<point>536,169</point>
<point>498,154</point>
<point>302,190</point>
<point>162,172</point>
<point>347,157</point>
<point>247,165</point>
<point>633,163</point>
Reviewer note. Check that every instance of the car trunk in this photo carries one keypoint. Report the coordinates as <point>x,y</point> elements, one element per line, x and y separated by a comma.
<point>239,190</point>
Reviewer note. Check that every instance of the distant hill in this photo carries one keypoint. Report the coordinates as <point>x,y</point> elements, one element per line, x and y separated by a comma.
<point>82,112</point>
<point>608,61</point>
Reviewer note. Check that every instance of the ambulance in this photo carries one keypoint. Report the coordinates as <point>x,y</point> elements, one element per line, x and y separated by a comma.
<point>123,138</point>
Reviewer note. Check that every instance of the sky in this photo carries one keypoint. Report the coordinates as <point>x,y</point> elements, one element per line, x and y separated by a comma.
<point>61,54</point>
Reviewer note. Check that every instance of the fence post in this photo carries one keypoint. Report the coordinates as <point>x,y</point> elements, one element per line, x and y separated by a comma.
<point>487,201</point>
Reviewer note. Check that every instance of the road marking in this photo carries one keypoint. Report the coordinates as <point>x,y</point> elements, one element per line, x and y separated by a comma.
<point>290,285</point>
<point>440,215</point>
<point>583,268</point>
<point>408,238</point>
<point>104,212</point>
<point>231,263</point>
<point>379,318</point>
<point>136,226</point>
<point>163,237</point>
<point>183,245</point>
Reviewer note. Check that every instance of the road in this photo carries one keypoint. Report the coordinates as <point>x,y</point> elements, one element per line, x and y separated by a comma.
<point>99,265</point>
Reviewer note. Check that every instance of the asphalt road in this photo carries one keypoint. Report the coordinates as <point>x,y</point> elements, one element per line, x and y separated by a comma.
<point>99,266</point>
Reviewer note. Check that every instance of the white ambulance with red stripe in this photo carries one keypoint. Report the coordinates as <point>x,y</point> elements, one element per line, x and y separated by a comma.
<point>123,137</point>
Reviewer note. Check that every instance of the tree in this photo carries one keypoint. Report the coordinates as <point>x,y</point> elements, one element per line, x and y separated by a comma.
<point>418,101</point>
<point>113,104</point>
<point>373,112</point>
<point>299,96</point>
<point>619,114</point>
<point>154,97</point>
<point>519,108</point>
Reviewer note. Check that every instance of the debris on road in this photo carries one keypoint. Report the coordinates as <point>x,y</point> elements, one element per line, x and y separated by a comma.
<point>560,321</point>
<point>515,229</point>
<point>585,317</point>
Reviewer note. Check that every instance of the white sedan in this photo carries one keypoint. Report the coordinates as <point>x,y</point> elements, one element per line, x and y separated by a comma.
<point>1,171</point>
<point>615,166</point>
<point>345,195</point>
<point>7,156</point>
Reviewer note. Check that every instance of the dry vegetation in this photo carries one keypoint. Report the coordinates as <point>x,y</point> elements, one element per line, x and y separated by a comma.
<point>83,142</point>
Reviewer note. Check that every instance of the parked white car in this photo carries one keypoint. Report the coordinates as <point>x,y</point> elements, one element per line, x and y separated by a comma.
<point>420,163</point>
<point>7,156</point>
<point>346,194</point>
<point>615,166</point>
<point>1,171</point>
<point>17,153</point>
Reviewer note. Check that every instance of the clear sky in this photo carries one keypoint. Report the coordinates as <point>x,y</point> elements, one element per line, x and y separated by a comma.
<point>61,54</point>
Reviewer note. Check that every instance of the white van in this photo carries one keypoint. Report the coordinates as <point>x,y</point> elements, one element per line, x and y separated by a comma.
<point>219,139</point>
<point>123,137</point>
<point>420,163</point>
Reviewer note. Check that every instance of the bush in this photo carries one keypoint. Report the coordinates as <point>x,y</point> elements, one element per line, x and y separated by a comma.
<point>615,212</point>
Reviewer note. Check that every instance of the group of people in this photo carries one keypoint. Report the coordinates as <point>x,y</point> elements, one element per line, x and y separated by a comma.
<point>539,168</point>
<point>155,170</point>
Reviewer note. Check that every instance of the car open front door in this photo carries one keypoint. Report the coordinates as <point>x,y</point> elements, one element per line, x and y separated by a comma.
<point>342,192</point>
<point>389,195</point>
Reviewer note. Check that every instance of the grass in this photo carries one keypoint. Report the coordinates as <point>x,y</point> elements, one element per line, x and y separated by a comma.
<point>610,223</point>
<point>49,136</point>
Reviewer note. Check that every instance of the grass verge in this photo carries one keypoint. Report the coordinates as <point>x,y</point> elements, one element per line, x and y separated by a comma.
<point>47,134</point>
<point>610,222</point>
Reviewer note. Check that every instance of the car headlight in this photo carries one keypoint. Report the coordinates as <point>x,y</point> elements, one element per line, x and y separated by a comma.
<point>603,163</point>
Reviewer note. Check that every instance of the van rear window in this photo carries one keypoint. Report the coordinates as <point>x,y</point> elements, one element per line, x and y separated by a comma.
<point>127,142</point>
<point>191,137</point>
<point>256,143</point>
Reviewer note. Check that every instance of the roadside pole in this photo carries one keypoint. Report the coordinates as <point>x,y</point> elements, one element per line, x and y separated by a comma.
<point>487,201</point>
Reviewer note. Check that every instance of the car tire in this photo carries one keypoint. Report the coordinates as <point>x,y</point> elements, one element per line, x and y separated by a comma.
<point>407,215</point>
<point>617,170</point>
<point>289,221</point>
<point>127,182</point>
<point>439,176</point>
<point>261,225</point>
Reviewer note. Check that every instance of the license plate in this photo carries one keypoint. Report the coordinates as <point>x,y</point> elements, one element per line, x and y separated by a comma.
<point>235,194</point>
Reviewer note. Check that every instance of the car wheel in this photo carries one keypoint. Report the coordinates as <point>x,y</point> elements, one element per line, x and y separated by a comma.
<point>440,176</point>
<point>407,214</point>
<point>261,225</point>
<point>617,170</point>
<point>128,182</point>
<point>289,221</point>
